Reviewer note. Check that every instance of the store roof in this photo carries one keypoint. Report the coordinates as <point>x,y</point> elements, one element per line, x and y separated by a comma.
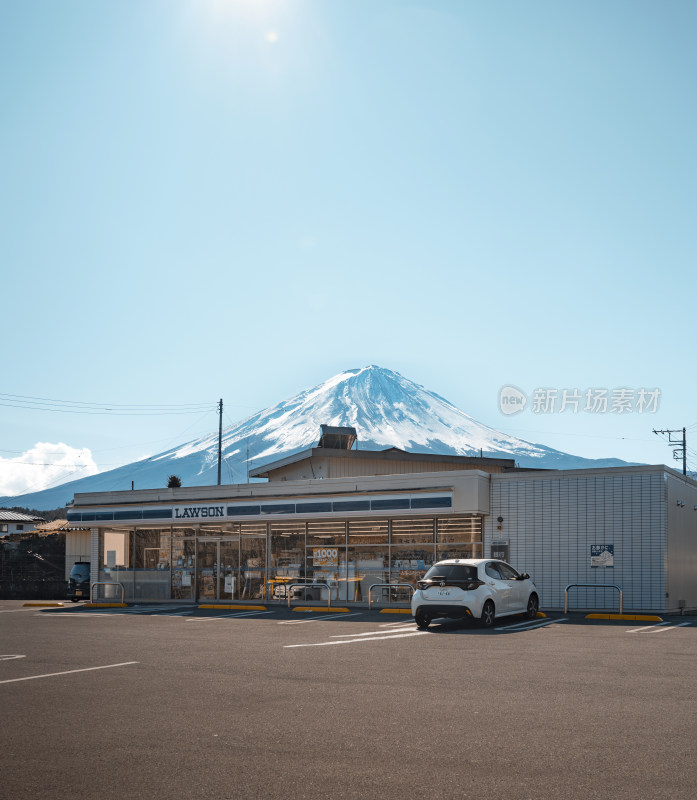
<point>389,454</point>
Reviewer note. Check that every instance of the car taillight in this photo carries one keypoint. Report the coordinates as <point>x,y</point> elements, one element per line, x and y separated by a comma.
<point>472,585</point>
<point>423,584</point>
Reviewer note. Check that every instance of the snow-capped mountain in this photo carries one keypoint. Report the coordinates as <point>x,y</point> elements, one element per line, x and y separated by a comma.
<point>386,409</point>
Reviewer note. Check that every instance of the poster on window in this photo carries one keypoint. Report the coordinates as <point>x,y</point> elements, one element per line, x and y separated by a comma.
<point>602,556</point>
<point>325,556</point>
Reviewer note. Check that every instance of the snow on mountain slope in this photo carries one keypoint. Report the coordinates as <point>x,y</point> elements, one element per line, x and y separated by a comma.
<point>386,409</point>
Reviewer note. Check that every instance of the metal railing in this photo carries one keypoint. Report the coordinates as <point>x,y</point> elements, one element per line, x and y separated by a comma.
<point>589,586</point>
<point>290,586</point>
<point>107,583</point>
<point>388,586</point>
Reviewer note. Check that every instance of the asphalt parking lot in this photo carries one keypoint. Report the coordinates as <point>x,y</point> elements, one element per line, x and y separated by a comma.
<point>175,701</point>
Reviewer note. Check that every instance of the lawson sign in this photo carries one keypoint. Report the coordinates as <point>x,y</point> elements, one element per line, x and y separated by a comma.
<point>198,512</point>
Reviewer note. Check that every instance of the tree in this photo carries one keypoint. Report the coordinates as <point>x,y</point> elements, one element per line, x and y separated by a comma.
<point>174,482</point>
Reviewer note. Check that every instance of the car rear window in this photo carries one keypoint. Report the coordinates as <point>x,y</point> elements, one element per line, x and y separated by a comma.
<point>452,572</point>
<point>80,572</point>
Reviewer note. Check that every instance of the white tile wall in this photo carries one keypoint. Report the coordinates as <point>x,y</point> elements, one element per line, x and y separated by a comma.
<point>551,522</point>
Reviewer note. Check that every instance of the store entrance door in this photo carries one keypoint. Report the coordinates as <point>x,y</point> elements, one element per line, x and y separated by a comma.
<point>218,569</point>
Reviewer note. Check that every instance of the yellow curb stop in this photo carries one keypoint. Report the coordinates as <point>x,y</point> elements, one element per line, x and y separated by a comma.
<point>322,610</point>
<point>43,605</point>
<point>236,608</point>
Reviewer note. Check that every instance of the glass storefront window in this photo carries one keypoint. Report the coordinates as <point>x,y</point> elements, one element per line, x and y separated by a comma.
<point>151,564</point>
<point>207,569</point>
<point>252,561</point>
<point>324,533</point>
<point>361,532</point>
<point>367,558</point>
<point>183,564</point>
<point>459,551</point>
<point>229,568</point>
<point>412,531</point>
<point>287,558</point>
<point>367,565</point>
<point>410,563</point>
<point>116,565</point>
<point>258,560</point>
<point>412,553</point>
<point>459,529</point>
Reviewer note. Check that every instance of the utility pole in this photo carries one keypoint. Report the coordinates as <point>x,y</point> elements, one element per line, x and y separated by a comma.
<point>678,451</point>
<point>220,437</point>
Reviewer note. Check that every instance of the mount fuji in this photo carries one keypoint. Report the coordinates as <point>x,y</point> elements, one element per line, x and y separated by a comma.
<point>386,409</point>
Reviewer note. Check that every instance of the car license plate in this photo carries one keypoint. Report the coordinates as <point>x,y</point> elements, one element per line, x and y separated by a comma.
<point>443,592</point>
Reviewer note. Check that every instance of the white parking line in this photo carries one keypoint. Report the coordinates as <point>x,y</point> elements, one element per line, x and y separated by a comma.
<point>531,624</point>
<point>231,616</point>
<point>648,628</point>
<point>397,624</point>
<point>10,658</point>
<point>187,613</point>
<point>670,628</point>
<point>358,641</point>
<point>381,634</point>
<point>319,619</point>
<point>68,672</point>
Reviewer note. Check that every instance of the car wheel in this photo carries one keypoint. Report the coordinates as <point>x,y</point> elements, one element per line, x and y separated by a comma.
<point>488,615</point>
<point>533,606</point>
<point>422,621</point>
<point>73,599</point>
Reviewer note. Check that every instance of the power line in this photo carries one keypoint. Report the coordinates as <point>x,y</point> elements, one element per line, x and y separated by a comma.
<point>54,401</point>
<point>39,464</point>
<point>104,411</point>
<point>34,403</point>
<point>680,451</point>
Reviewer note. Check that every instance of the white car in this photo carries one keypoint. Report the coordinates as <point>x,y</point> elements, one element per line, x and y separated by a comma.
<point>481,589</point>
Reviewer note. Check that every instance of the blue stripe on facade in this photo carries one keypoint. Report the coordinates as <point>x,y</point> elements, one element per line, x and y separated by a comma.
<point>322,507</point>
<point>281,508</point>
<point>432,502</point>
<point>130,514</point>
<point>242,511</point>
<point>313,508</point>
<point>389,505</point>
<point>157,513</point>
<point>351,505</point>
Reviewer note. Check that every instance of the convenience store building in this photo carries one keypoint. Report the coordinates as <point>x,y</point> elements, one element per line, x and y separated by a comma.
<point>346,520</point>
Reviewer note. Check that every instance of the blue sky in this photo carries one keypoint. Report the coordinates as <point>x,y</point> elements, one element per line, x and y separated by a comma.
<point>237,199</point>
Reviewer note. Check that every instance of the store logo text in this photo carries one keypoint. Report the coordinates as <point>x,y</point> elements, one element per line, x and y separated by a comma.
<point>210,511</point>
